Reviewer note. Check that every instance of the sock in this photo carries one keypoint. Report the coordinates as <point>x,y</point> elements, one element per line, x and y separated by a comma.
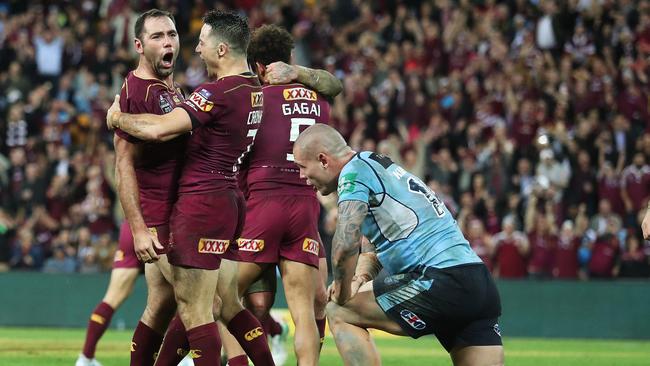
<point>205,345</point>
<point>271,326</point>
<point>175,344</point>
<point>145,345</point>
<point>248,332</point>
<point>238,361</point>
<point>100,319</point>
<point>320,324</point>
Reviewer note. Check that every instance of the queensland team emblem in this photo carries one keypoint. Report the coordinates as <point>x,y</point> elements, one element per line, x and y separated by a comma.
<point>413,320</point>
<point>176,99</point>
<point>119,256</point>
<point>213,246</point>
<point>257,99</point>
<point>165,106</point>
<point>250,245</point>
<point>299,94</point>
<point>200,101</point>
<point>310,246</point>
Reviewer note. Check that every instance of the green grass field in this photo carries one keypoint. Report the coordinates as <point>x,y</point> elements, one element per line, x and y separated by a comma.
<point>60,347</point>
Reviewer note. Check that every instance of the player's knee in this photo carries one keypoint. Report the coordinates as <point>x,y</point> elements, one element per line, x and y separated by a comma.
<point>258,305</point>
<point>333,312</point>
<point>320,302</point>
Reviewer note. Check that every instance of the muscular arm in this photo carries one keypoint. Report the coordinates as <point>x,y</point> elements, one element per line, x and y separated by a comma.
<point>319,80</point>
<point>154,127</point>
<point>368,265</point>
<point>345,246</point>
<point>127,184</point>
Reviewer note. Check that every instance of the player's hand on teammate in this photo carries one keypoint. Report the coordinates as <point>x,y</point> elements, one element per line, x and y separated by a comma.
<point>144,243</point>
<point>281,73</point>
<point>111,113</point>
<point>645,224</point>
<point>357,282</point>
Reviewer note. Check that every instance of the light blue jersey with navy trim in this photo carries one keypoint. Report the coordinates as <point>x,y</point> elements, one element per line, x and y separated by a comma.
<point>406,221</point>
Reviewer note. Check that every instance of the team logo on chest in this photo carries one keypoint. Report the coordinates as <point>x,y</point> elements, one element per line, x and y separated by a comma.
<point>165,106</point>
<point>213,246</point>
<point>299,94</point>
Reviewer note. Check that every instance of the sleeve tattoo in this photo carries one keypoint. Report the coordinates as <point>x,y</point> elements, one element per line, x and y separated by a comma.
<point>347,238</point>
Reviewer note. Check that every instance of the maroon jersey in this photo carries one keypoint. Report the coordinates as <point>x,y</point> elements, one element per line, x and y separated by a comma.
<point>157,165</point>
<point>225,114</point>
<point>288,110</point>
<point>566,258</point>
<point>510,261</point>
<point>636,181</point>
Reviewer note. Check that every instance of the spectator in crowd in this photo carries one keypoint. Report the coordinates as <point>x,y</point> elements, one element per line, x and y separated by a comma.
<point>511,251</point>
<point>541,230</point>
<point>605,251</point>
<point>565,261</point>
<point>633,262</point>
<point>59,262</point>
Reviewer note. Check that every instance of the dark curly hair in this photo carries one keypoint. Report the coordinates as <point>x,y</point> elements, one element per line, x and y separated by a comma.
<point>230,28</point>
<point>270,43</point>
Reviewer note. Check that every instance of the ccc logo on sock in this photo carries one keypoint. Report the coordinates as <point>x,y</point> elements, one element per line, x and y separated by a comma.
<point>252,334</point>
<point>194,353</point>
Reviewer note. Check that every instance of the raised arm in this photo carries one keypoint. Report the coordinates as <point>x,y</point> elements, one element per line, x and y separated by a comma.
<point>345,247</point>
<point>150,127</point>
<point>319,80</point>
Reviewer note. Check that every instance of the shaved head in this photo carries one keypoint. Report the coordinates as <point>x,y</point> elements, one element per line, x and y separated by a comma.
<point>321,138</point>
<point>321,152</point>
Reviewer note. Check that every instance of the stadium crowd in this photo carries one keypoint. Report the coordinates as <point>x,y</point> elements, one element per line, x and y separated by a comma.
<point>528,118</point>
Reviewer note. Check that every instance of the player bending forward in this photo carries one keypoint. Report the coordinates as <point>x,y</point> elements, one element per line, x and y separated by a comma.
<point>431,281</point>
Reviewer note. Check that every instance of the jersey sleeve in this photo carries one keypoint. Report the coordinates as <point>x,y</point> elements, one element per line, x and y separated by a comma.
<point>203,105</point>
<point>355,182</point>
<point>128,105</point>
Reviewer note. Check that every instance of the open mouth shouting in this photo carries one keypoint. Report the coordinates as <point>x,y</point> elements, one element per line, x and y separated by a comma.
<point>167,60</point>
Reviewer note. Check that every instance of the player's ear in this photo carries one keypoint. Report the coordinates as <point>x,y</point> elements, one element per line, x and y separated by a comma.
<point>222,48</point>
<point>139,46</point>
<point>322,159</point>
<point>261,71</point>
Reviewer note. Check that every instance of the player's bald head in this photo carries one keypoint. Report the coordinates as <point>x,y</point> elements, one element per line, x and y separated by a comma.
<point>321,138</point>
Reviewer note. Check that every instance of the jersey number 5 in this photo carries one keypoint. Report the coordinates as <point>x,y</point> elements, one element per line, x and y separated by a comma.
<point>418,187</point>
<point>295,130</point>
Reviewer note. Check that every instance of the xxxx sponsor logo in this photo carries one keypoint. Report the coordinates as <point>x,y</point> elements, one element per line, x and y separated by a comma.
<point>194,353</point>
<point>199,101</point>
<point>213,246</point>
<point>119,256</point>
<point>97,318</point>
<point>252,334</point>
<point>299,94</point>
<point>250,245</point>
<point>257,99</point>
<point>310,246</point>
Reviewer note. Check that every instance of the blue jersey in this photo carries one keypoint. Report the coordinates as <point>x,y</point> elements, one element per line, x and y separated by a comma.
<point>406,221</point>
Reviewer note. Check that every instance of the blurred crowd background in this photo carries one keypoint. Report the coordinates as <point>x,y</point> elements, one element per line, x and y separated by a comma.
<point>529,118</point>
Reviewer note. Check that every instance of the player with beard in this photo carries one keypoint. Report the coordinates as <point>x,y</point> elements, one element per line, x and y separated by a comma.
<point>223,115</point>
<point>282,213</point>
<point>147,183</point>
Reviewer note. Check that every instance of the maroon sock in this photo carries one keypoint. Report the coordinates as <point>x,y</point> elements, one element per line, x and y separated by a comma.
<point>145,345</point>
<point>248,332</point>
<point>271,326</point>
<point>241,360</point>
<point>205,345</point>
<point>175,344</point>
<point>320,324</point>
<point>100,319</point>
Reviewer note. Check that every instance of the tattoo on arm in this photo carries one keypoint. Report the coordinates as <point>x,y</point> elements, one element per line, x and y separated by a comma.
<point>347,239</point>
<point>320,80</point>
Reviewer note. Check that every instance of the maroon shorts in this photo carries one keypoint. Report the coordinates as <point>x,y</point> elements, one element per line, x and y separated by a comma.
<point>281,227</point>
<point>125,256</point>
<point>203,226</point>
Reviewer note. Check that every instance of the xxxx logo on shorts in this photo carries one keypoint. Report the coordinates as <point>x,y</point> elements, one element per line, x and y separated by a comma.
<point>250,245</point>
<point>310,246</point>
<point>252,334</point>
<point>213,246</point>
<point>119,256</point>
<point>299,94</point>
